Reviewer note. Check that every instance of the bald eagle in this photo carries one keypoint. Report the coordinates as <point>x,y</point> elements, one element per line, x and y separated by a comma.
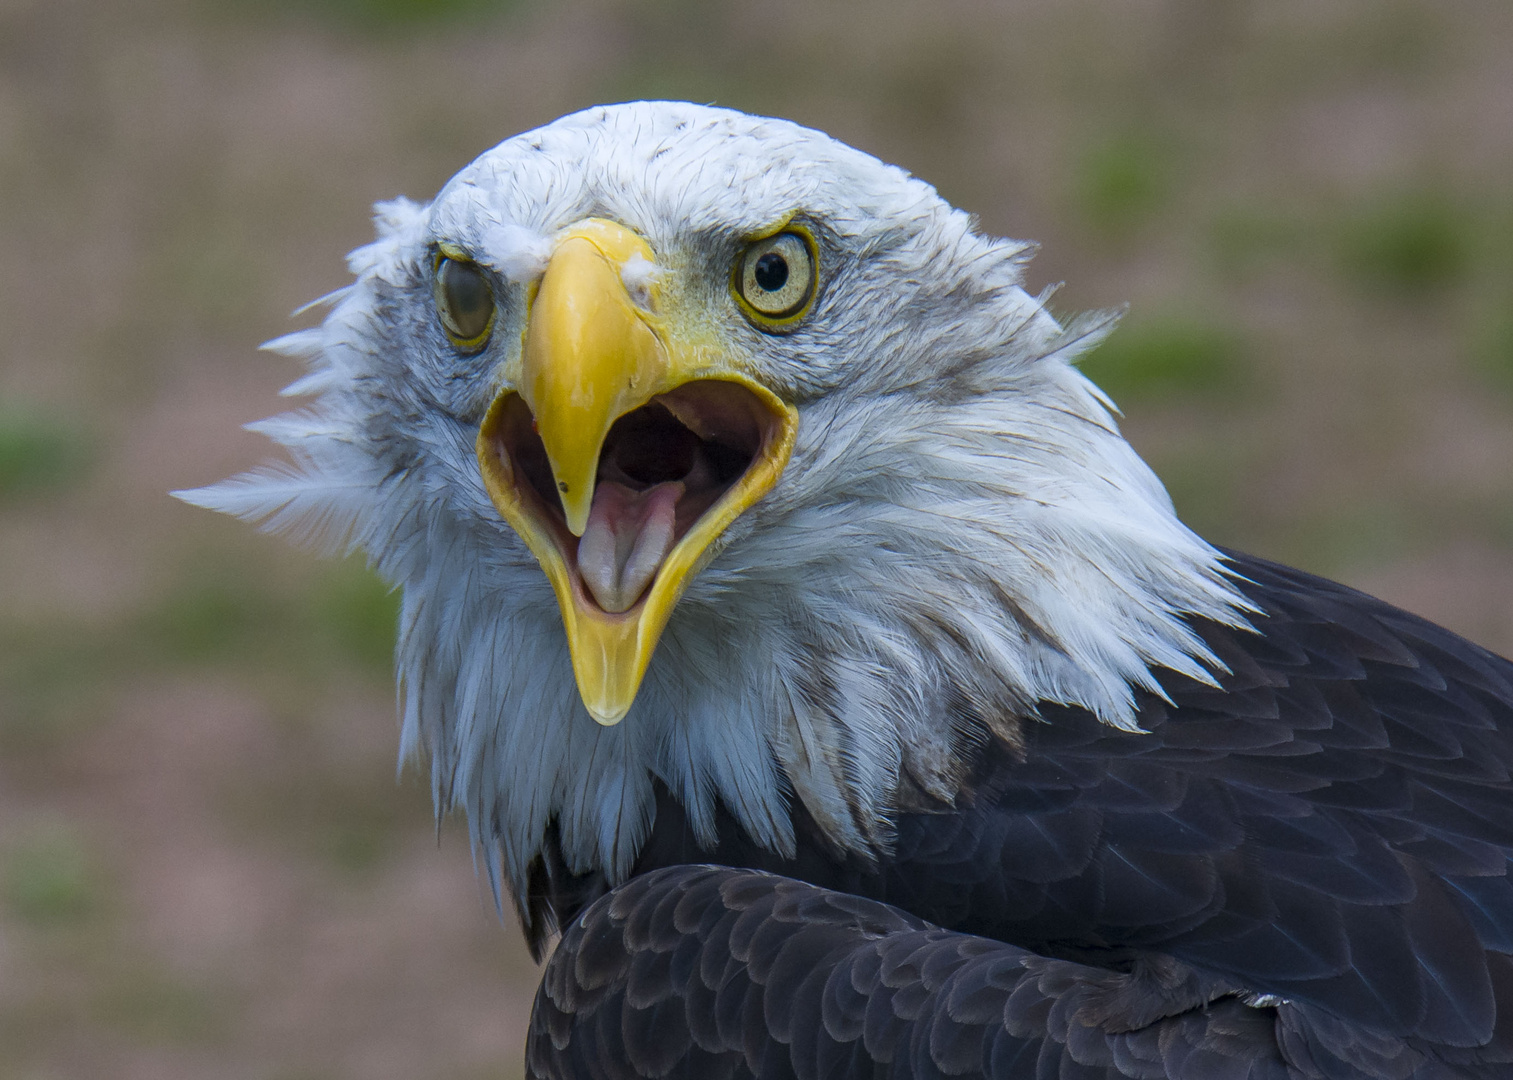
<point>809,651</point>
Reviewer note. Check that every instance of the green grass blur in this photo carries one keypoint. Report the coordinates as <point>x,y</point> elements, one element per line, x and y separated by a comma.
<point>1146,358</point>
<point>1413,245</point>
<point>39,456</point>
<point>50,880</point>
<point>367,18</point>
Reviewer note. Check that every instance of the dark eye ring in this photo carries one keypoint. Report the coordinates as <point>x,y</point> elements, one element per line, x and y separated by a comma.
<point>464,301</point>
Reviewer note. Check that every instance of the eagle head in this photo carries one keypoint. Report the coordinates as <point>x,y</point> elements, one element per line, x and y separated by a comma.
<point>712,453</point>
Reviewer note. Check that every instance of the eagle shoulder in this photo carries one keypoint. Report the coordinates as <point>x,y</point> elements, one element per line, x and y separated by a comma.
<point>1328,826</point>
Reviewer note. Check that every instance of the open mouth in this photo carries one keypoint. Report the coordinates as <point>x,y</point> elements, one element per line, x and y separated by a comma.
<point>620,452</point>
<point>661,469</point>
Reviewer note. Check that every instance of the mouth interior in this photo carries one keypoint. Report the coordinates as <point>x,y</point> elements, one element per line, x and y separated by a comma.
<point>661,468</point>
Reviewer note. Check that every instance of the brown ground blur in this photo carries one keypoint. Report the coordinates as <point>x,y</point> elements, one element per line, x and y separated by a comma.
<point>206,867</point>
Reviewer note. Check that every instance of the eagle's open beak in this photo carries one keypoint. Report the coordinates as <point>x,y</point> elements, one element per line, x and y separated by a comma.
<point>620,454</point>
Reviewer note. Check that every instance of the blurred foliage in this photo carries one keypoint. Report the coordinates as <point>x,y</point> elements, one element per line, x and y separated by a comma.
<point>1407,243</point>
<point>216,616</point>
<point>50,680</point>
<point>1402,40</point>
<point>1397,43</point>
<point>38,456</point>
<point>154,1007</point>
<point>50,879</point>
<point>1205,487</point>
<point>345,822</point>
<point>357,614</point>
<point>1121,183</point>
<point>223,618</point>
<point>1246,237</point>
<point>220,614</point>
<point>373,16</point>
<point>1362,533</point>
<point>1494,345</point>
<point>1148,358</point>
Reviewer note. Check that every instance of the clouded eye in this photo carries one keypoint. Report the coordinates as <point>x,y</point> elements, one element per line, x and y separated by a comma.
<point>774,279</point>
<point>464,302</point>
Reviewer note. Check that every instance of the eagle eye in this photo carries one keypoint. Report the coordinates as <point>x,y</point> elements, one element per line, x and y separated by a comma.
<point>774,279</point>
<point>464,301</point>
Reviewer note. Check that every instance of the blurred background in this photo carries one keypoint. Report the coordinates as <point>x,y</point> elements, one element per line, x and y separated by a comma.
<point>207,868</point>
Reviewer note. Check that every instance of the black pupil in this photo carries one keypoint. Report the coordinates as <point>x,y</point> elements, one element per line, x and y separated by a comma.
<point>467,296</point>
<point>771,271</point>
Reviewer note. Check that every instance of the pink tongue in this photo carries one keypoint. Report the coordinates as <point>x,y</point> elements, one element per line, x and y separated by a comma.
<point>629,534</point>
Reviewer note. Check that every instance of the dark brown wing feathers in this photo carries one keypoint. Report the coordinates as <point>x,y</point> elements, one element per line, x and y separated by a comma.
<point>1330,827</point>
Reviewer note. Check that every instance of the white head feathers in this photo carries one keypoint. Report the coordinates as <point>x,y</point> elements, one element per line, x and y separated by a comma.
<point>960,534</point>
